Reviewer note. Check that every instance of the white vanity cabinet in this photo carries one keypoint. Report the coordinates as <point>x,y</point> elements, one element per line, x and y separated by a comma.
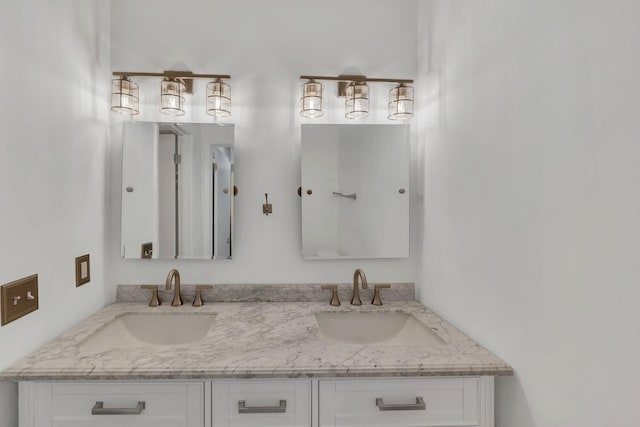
<point>345,402</point>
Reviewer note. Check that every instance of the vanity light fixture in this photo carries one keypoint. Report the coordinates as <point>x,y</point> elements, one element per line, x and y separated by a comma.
<point>311,101</point>
<point>356,90</point>
<point>174,86</point>
<point>401,102</point>
<point>172,96</point>
<point>124,96</point>
<point>356,106</point>
<point>218,99</point>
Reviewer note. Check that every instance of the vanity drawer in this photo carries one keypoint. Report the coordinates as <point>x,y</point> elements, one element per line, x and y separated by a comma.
<point>261,403</point>
<point>447,402</point>
<point>165,404</point>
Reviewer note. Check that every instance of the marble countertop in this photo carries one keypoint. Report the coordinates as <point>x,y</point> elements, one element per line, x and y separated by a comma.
<point>257,339</point>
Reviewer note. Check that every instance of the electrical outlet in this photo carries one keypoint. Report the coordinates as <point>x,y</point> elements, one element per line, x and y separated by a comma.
<point>146,251</point>
<point>19,298</point>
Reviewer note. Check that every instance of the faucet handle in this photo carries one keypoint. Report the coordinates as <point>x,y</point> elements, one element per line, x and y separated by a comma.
<point>376,294</point>
<point>335,301</point>
<point>197,301</point>
<point>155,301</point>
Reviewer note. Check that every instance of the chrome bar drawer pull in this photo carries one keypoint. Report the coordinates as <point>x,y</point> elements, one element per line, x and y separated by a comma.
<point>418,406</point>
<point>99,409</point>
<point>242,409</point>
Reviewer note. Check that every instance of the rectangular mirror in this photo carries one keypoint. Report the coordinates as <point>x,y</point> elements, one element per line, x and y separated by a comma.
<point>355,191</point>
<point>177,190</point>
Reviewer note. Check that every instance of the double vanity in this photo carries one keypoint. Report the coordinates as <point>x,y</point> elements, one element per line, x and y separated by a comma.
<point>272,355</point>
<point>304,355</point>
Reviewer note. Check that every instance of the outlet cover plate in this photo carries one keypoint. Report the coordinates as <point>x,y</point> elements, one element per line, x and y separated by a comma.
<point>19,298</point>
<point>146,251</point>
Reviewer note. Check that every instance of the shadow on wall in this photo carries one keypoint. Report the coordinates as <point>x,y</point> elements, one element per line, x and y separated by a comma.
<point>511,403</point>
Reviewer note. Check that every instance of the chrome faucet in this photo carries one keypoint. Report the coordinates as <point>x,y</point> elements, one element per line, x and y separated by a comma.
<point>174,274</point>
<point>355,300</point>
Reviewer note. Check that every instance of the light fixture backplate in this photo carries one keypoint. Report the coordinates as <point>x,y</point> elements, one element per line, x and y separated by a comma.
<point>348,79</point>
<point>179,75</point>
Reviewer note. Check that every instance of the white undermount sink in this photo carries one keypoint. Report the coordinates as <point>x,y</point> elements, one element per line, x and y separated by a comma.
<point>135,330</point>
<point>375,328</point>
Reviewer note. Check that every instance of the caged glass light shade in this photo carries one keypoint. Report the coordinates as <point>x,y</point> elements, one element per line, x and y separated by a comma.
<point>311,101</point>
<point>401,103</point>
<point>172,97</point>
<point>357,102</point>
<point>124,96</point>
<point>218,99</point>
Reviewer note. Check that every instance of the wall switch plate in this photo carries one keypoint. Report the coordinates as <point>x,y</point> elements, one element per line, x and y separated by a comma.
<point>19,298</point>
<point>83,270</point>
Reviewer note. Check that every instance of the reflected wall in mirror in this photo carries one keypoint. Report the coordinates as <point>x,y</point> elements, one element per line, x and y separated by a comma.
<point>355,191</point>
<point>177,190</point>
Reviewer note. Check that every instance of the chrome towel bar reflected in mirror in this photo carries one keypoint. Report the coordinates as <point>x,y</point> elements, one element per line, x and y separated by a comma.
<point>346,196</point>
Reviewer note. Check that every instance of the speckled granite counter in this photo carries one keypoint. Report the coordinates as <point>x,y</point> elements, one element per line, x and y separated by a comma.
<point>257,339</point>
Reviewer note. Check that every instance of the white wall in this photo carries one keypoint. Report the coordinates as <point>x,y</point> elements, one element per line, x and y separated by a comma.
<point>531,228</point>
<point>265,46</point>
<point>54,125</point>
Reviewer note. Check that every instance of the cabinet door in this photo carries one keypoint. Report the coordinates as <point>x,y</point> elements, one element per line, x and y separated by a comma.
<point>262,403</point>
<point>400,403</point>
<point>76,404</point>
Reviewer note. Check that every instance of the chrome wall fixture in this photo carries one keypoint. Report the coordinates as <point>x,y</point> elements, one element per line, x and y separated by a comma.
<point>355,89</point>
<point>174,86</point>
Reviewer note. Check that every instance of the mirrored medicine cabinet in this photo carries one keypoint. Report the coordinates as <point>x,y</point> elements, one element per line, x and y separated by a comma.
<point>177,190</point>
<point>355,191</point>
